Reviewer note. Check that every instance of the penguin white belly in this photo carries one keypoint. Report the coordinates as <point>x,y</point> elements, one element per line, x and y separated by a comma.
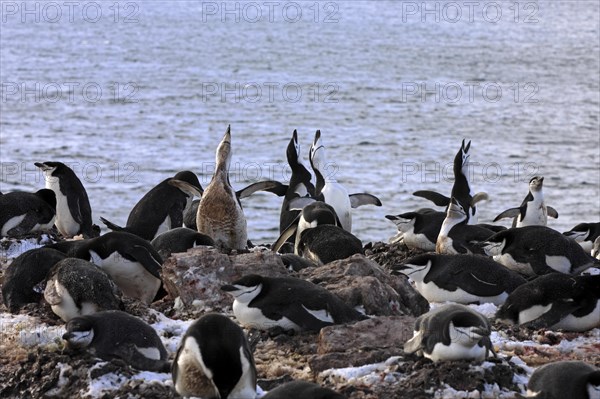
<point>66,225</point>
<point>44,227</point>
<point>559,263</point>
<point>510,263</point>
<point>532,313</point>
<point>456,351</point>
<point>11,224</point>
<point>245,387</point>
<point>535,215</point>
<point>580,324</point>
<point>193,377</point>
<point>433,293</point>
<point>254,318</point>
<point>593,391</point>
<point>586,245</point>
<point>131,277</point>
<point>418,241</point>
<point>337,196</point>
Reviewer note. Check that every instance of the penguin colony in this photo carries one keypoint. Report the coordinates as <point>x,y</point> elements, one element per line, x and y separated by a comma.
<point>529,270</point>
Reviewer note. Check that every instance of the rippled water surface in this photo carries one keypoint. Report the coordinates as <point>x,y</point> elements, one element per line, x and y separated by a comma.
<point>129,98</point>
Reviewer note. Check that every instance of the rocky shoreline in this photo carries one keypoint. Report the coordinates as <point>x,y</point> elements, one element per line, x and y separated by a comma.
<point>362,360</point>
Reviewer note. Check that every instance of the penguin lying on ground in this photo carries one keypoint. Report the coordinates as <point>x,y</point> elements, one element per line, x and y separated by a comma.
<point>302,390</point>
<point>162,208</point>
<point>23,275</point>
<point>585,234</point>
<point>73,211</point>
<point>533,211</point>
<point>75,287</point>
<point>537,250</point>
<point>460,278</point>
<point>22,213</point>
<point>288,303</point>
<point>419,229</point>
<point>115,334</point>
<point>461,190</point>
<point>131,261</point>
<point>451,332</point>
<point>565,379</point>
<point>214,360</point>
<point>555,301</point>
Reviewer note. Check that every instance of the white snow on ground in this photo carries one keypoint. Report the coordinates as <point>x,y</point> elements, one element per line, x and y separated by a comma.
<point>9,249</point>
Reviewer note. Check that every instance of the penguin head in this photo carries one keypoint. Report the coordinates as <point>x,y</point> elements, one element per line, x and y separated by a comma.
<point>318,213</point>
<point>468,327</point>
<point>223,156</point>
<point>51,169</point>
<point>579,233</point>
<point>245,289</point>
<point>404,221</point>
<point>416,267</point>
<point>80,332</point>
<point>593,385</point>
<point>536,183</point>
<point>456,211</point>
<point>187,182</point>
<point>596,248</point>
<point>293,150</point>
<point>317,153</point>
<point>461,159</point>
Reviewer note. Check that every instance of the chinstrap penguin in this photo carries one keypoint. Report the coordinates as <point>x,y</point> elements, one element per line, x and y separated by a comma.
<point>73,211</point>
<point>565,379</point>
<point>23,275</point>
<point>533,210</point>
<point>131,261</point>
<point>460,278</point>
<point>179,239</point>
<point>537,250</point>
<point>585,234</point>
<point>461,189</point>
<point>116,334</point>
<point>302,390</point>
<point>75,287</point>
<point>328,190</point>
<point>214,360</point>
<point>288,303</point>
<point>451,332</point>
<point>162,208</point>
<point>458,237</point>
<point>419,229</point>
<point>555,301</point>
<point>22,213</point>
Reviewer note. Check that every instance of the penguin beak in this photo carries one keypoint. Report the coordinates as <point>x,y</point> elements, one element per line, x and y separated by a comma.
<point>42,166</point>
<point>186,187</point>
<point>229,288</point>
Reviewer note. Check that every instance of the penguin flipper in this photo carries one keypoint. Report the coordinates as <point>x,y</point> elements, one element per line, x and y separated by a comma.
<point>111,225</point>
<point>436,198</point>
<point>359,199</point>
<point>186,187</point>
<point>300,315</point>
<point>552,212</point>
<point>479,197</point>
<point>134,357</point>
<point>414,344</point>
<point>557,312</point>
<point>152,264</point>
<point>298,203</point>
<point>509,213</point>
<point>287,233</point>
<point>271,186</point>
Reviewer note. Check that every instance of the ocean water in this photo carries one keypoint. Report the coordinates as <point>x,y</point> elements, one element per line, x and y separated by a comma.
<point>129,93</point>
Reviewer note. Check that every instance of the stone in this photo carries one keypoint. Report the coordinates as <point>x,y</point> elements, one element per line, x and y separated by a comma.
<point>361,282</point>
<point>197,275</point>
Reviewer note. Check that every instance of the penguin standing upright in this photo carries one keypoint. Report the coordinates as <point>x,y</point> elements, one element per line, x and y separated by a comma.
<point>533,210</point>
<point>461,189</point>
<point>73,211</point>
<point>299,185</point>
<point>162,208</point>
<point>330,191</point>
<point>214,360</point>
